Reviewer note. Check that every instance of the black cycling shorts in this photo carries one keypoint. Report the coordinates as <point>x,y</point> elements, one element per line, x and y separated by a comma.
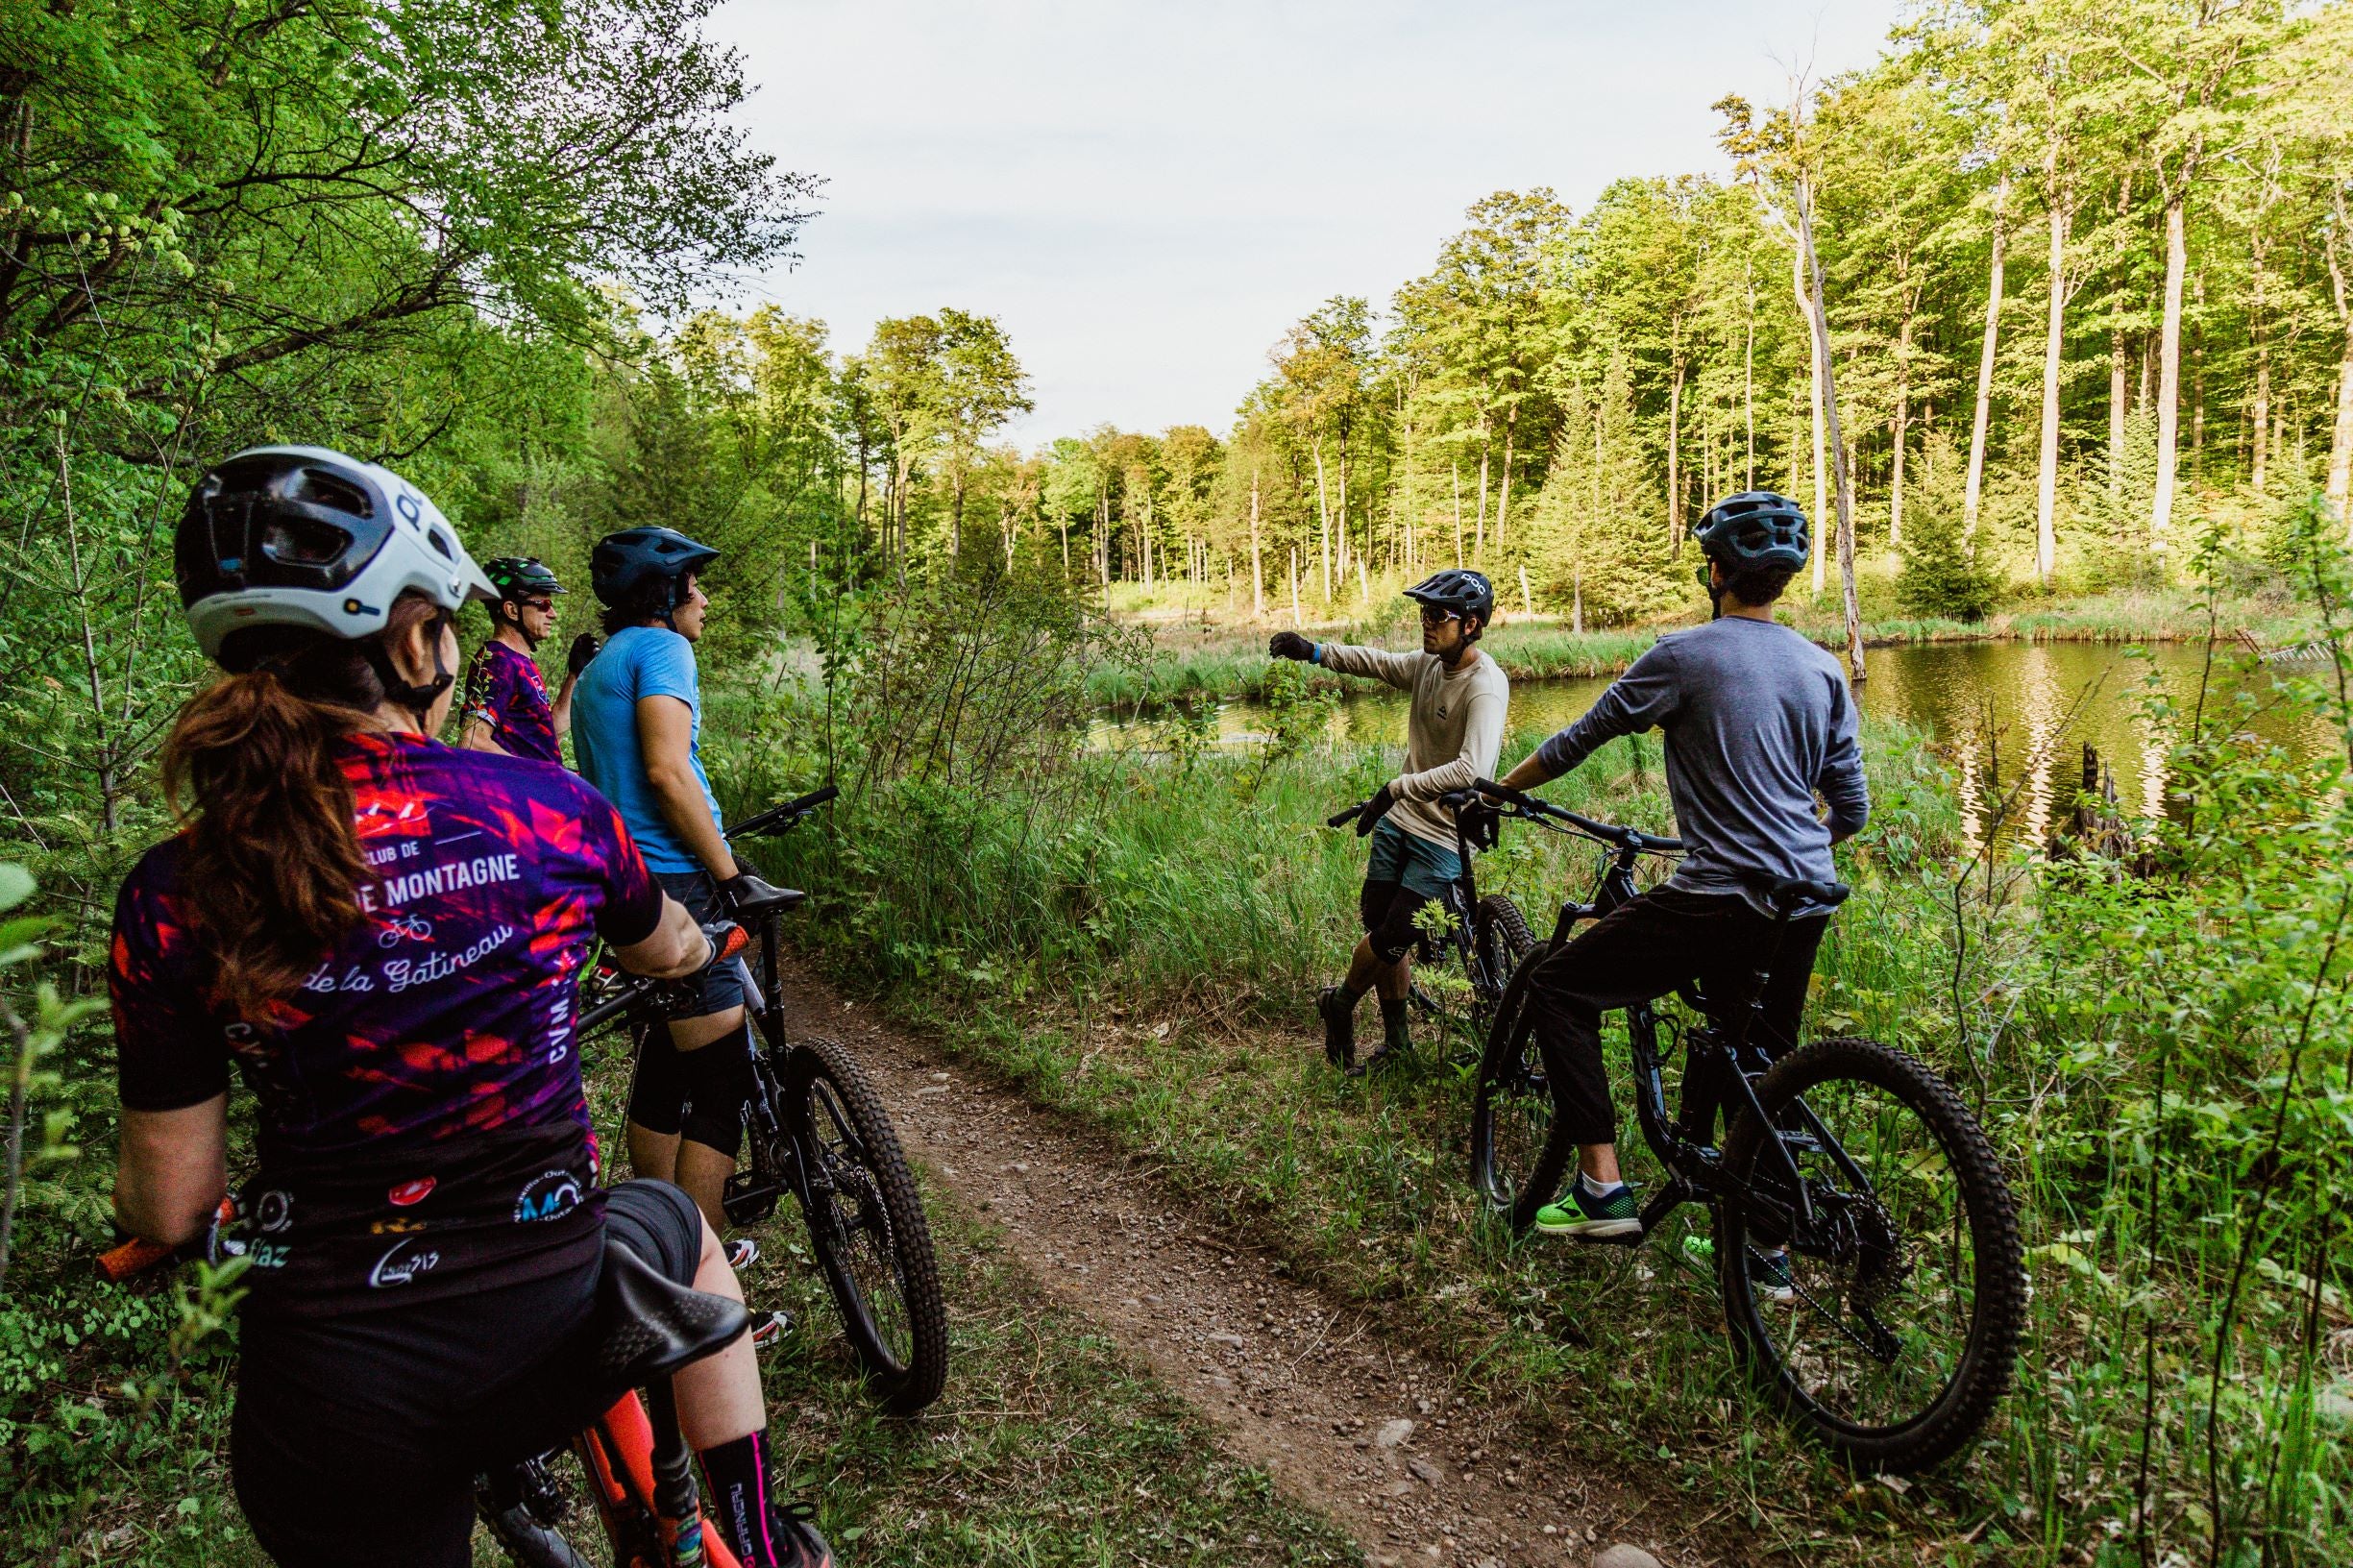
<point>357,1440</point>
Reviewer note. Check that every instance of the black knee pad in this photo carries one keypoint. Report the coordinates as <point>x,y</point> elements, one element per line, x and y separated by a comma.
<point>657,1092</point>
<point>1394,934</point>
<point>1373,900</point>
<point>719,1087</point>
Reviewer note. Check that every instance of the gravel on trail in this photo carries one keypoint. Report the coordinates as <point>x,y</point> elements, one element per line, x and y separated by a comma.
<point>1301,1384</point>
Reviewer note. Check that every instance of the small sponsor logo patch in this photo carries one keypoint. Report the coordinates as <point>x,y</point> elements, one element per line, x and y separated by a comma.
<point>550,1195</point>
<point>410,1192</point>
<point>393,1270</point>
<point>274,1209</point>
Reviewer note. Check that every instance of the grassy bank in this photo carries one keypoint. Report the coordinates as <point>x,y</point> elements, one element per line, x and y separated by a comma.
<point>1188,660</point>
<point>1136,943</point>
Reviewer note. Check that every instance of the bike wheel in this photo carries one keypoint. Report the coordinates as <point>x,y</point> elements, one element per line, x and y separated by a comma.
<point>866,1225</point>
<point>1502,939</point>
<point>1518,1151</point>
<point>1907,1285</point>
<point>526,1542</point>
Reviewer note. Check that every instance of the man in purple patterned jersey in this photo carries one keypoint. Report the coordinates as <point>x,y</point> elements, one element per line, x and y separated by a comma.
<point>506,707</point>
<point>384,935</point>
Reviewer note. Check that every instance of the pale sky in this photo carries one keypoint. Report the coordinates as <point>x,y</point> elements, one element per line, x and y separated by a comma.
<point>1147,196</point>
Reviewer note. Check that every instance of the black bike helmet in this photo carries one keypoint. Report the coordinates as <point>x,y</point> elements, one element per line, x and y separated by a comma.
<point>520,577</point>
<point>1756,527</point>
<point>1465,593</point>
<point>624,561</point>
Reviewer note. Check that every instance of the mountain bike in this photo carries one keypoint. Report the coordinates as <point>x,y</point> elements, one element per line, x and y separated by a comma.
<point>1866,1244</point>
<point>1486,937</point>
<point>818,1130</point>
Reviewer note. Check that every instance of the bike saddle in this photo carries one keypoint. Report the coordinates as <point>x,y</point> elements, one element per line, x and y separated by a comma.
<point>649,1328</point>
<point>1789,892</point>
<point>751,897</point>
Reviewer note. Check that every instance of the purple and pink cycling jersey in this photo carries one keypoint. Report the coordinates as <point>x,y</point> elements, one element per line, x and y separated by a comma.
<point>422,1128</point>
<point>506,690</point>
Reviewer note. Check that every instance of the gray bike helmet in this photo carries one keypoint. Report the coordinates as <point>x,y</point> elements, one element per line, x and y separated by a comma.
<point>1756,527</point>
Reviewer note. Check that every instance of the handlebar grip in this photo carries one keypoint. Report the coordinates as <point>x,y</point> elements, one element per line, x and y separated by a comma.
<point>1501,792</point>
<point>727,938</point>
<point>811,801</point>
<point>134,1257</point>
<point>1341,819</point>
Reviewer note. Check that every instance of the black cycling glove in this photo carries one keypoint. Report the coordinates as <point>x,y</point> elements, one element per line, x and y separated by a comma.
<point>583,650</point>
<point>1372,811</point>
<point>1290,644</point>
<point>1482,823</point>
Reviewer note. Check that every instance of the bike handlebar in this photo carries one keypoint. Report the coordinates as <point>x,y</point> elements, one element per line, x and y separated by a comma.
<point>1625,838</point>
<point>777,819</point>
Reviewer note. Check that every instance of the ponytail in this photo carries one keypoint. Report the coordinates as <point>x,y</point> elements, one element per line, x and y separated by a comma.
<point>274,866</point>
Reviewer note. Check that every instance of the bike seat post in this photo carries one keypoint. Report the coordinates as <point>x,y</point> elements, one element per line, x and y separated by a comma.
<point>677,1499</point>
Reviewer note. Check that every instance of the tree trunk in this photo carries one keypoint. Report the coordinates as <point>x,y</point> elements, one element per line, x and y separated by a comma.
<point>1674,446</point>
<point>1819,368</point>
<point>2340,439</point>
<point>2116,413</point>
<point>1257,578</point>
<point>1457,511</point>
<point>1903,421</point>
<point>1479,539</point>
<point>2198,384</point>
<point>1323,520</point>
<point>1503,500</point>
<point>2258,328</point>
<point>1296,623</point>
<point>1974,486</point>
<point>2054,344</point>
<point>1747,378</point>
<point>2168,371</point>
<point>1820,314</point>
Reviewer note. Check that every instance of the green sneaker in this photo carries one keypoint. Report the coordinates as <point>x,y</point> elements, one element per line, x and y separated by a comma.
<point>1614,1217</point>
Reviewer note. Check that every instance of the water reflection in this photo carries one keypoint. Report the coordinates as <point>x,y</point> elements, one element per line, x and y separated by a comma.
<point>2012,718</point>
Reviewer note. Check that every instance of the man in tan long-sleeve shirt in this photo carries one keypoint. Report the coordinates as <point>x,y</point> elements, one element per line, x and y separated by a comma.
<point>1451,737</point>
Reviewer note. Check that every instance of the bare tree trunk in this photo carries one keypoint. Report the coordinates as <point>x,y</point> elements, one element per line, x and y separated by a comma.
<point>2168,374</point>
<point>1974,486</point>
<point>1479,539</point>
<point>2054,344</point>
<point>1323,519</point>
<point>1257,578</point>
<point>1503,500</point>
<point>2340,439</point>
<point>1819,315</point>
<point>1457,511</point>
<point>1903,421</point>
<point>1296,623</point>
<point>2198,384</point>
<point>1797,258</point>
<point>1675,444</point>
<point>1747,378</point>
<point>2116,413</point>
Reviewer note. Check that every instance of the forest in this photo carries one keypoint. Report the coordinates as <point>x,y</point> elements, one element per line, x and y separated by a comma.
<point>2045,316</point>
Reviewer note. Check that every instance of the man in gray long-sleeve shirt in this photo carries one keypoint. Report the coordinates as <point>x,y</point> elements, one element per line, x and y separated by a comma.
<point>1453,733</point>
<point>1758,723</point>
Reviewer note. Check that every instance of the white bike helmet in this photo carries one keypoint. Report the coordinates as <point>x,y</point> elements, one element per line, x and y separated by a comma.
<point>302,536</point>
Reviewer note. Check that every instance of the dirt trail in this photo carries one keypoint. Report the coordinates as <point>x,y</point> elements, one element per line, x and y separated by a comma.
<point>1359,1428</point>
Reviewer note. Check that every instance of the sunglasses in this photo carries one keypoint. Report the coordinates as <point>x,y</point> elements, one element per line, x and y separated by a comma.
<point>545,607</point>
<point>1433,616</point>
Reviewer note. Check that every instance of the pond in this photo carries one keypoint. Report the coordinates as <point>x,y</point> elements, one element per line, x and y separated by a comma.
<point>2003,711</point>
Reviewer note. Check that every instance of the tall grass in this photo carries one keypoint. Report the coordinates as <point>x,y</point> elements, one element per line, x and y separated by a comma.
<point>1135,938</point>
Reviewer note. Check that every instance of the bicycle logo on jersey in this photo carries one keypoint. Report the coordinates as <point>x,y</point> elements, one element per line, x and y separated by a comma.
<point>414,927</point>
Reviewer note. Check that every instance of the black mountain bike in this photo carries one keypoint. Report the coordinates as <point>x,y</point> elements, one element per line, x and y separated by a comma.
<point>1866,1243</point>
<point>1487,937</point>
<point>818,1130</point>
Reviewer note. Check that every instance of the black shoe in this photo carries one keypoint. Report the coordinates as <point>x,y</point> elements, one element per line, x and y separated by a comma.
<point>1339,1027</point>
<point>1396,1044</point>
<point>798,1543</point>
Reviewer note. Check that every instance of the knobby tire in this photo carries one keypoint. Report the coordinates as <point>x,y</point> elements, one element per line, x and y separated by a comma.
<point>1518,1150</point>
<point>1879,1282</point>
<point>848,1142</point>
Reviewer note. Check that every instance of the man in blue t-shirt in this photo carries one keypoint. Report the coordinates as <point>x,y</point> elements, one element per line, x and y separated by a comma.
<point>637,731</point>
